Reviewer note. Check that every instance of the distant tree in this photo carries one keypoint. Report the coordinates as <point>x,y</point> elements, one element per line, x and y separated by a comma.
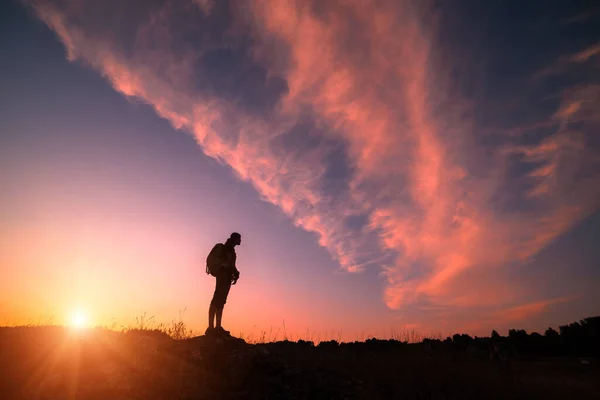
<point>536,339</point>
<point>578,339</point>
<point>517,333</point>
<point>518,338</point>
<point>591,327</point>
<point>583,337</point>
<point>569,331</point>
<point>461,340</point>
<point>495,335</point>
<point>551,333</point>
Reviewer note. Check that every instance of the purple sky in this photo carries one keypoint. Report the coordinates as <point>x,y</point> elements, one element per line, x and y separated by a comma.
<point>390,165</point>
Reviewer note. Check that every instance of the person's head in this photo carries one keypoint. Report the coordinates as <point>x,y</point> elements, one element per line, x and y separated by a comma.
<point>235,239</point>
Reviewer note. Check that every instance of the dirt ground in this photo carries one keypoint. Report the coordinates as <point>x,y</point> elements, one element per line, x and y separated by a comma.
<point>56,363</point>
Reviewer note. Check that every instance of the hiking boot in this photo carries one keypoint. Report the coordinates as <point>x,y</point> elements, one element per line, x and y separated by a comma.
<point>221,332</point>
<point>210,331</point>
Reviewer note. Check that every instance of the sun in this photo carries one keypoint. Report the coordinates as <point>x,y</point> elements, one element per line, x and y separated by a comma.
<point>79,319</point>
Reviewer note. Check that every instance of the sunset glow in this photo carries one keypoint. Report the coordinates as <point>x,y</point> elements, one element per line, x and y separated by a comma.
<point>389,164</point>
<point>79,319</point>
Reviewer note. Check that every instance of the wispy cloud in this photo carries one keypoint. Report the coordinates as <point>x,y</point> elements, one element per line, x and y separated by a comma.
<point>524,311</point>
<point>344,116</point>
<point>571,62</point>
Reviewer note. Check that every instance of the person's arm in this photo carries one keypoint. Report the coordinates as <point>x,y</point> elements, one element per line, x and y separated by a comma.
<point>236,273</point>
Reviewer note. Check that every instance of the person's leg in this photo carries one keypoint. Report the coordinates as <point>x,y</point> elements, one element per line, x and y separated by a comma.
<point>223,287</point>
<point>211,316</point>
<point>219,314</point>
<point>215,303</point>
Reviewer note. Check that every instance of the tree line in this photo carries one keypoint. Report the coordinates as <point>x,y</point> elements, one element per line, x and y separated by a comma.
<point>577,339</point>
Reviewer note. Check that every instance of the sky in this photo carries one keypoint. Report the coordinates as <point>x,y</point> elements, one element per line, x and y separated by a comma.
<point>426,165</point>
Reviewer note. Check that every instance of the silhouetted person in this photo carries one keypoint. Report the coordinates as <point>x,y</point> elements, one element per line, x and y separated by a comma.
<point>221,264</point>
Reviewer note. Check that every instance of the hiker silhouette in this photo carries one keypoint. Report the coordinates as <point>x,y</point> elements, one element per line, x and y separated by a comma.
<point>220,263</point>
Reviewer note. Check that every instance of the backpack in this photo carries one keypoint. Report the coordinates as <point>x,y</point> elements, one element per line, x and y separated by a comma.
<point>215,259</point>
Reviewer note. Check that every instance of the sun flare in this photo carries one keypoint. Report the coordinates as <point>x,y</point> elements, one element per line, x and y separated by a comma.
<point>79,319</point>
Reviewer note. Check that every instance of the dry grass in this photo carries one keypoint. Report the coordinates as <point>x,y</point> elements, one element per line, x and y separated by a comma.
<point>178,330</point>
<point>404,334</point>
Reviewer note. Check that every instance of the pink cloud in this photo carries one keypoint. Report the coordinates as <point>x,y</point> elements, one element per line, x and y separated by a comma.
<point>585,54</point>
<point>443,215</point>
<point>525,311</point>
<point>566,62</point>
